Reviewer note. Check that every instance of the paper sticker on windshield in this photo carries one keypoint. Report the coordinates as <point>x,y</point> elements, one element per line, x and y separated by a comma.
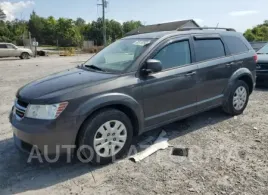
<point>141,43</point>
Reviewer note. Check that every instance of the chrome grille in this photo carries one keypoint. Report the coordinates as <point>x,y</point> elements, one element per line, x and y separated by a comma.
<point>20,109</point>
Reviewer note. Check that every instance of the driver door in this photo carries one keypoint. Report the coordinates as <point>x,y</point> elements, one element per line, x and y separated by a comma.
<point>171,94</point>
<point>12,51</point>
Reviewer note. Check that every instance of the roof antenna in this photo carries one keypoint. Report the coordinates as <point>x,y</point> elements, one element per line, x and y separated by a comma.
<point>217,26</point>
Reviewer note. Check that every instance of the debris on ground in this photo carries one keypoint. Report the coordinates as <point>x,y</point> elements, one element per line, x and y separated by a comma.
<point>180,152</point>
<point>160,143</point>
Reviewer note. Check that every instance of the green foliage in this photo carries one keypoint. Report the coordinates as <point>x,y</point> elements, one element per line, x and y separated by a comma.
<point>63,32</point>
<point>12,31</point>
<point>258,33</point>
<point>2,15</point>
<point>114,30</point>
<point>67,33</point>
<point>131,25</point>
<point>49,31</point>
<point>95,32</point>
<point>249,35</point>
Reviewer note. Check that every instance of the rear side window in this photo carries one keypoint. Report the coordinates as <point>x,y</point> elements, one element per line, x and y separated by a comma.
<point>3,46</point>
<point>175,54</point>
<point>206,49</point>
<point>235,44</point>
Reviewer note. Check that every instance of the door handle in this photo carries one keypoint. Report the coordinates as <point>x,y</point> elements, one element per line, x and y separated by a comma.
<point>230,64</point>
<point>189,74</point>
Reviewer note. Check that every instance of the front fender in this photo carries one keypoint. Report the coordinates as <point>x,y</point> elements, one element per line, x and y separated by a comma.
<point>104,100</point>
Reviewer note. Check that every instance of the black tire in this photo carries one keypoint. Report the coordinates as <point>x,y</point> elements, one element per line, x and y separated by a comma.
<point>89,129</point>
<point>228,106</point>
<point>24,55</point>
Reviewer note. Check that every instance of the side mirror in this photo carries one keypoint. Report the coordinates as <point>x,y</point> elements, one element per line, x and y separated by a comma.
<point>152,66</point>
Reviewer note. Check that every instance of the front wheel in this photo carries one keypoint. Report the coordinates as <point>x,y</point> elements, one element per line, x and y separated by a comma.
<point>238,99</point>
<point>24,56</point>
<point>106,136</point>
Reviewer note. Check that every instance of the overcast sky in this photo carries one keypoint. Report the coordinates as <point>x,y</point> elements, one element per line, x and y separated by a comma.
<point>238,14</point>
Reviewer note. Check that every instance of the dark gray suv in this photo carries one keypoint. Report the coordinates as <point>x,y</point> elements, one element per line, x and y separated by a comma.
<point>132,86</point>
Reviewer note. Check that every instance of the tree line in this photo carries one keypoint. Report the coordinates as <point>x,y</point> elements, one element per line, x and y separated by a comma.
<point>63,32</point>
<point>2,15</point>
<point>66,32</point>
<point>258,33</point>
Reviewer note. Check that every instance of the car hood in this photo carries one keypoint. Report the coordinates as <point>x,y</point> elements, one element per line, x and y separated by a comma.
<point>263,58</point>
<point>25,49</point>
<point>61,81</point>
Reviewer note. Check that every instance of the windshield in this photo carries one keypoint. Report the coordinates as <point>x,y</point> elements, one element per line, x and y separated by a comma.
<point>118,56</point>
<point>263,50</point>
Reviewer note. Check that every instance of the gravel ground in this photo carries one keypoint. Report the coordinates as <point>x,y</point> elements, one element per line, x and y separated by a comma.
<point>227,155</point>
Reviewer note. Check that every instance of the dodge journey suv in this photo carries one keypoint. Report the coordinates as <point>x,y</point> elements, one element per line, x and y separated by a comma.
<point>134,85</point>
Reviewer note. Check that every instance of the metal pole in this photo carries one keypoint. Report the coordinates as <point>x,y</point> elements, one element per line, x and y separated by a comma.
<point>35,49</point>
<point>103,19</point>
<point>30,40</point>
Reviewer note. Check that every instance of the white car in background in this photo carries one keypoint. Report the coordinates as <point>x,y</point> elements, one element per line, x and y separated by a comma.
<point>10,50</point>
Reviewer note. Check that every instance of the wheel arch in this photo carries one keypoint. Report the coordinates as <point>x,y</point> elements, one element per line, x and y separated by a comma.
<point>243,74</point>
<point>248,81</point>
<point>25,53</point>
<point>122,102</point>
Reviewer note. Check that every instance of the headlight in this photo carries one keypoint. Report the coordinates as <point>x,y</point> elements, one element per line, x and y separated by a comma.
<point>46,112</point>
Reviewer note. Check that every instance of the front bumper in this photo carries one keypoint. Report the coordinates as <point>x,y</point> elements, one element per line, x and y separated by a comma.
<point>49,136</point>
<point>262,75</point>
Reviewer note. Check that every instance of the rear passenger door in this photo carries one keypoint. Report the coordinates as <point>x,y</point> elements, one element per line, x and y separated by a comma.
<point>3,50</point>
<point>214,69</point>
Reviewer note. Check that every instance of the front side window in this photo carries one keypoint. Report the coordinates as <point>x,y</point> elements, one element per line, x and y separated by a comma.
<point>118,56</point>
<point>10,46</point>
<point>206,49</point>
<point>175,54</point>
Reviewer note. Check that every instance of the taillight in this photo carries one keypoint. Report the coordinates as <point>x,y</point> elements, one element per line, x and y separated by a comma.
<point>255,58</point>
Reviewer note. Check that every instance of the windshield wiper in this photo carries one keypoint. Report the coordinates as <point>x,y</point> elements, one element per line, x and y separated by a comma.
<point>95,67</point>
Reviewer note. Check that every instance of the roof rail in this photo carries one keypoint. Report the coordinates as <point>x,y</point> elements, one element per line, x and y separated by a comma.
<point>206,28</point>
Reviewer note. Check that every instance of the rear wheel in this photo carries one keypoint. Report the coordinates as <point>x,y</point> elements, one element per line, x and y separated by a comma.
<point>106,136</point>
<point>24,55</point>
<point>238,99</point>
